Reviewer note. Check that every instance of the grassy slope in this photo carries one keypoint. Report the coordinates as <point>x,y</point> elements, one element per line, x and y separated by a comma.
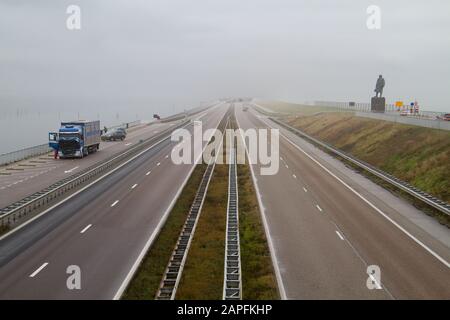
<point>202,276</point>
<point>258,278</point>
<point>418,155</point>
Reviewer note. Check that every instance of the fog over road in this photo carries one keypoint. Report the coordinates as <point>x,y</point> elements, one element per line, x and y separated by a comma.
<point>102,230</point>
<point>325,235</point>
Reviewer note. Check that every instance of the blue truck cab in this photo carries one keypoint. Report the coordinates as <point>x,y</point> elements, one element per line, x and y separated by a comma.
<point>76,139</point>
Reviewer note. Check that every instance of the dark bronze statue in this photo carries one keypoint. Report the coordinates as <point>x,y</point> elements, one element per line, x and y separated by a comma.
<point>379,86</point>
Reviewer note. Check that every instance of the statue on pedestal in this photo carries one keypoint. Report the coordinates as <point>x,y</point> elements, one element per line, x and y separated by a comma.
<point>378,103</point>
<point>379,86</point>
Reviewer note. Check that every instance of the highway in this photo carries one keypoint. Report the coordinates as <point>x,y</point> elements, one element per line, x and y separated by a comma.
<point>32,175</point>
<point>327,224</point>
<point>103,229</point>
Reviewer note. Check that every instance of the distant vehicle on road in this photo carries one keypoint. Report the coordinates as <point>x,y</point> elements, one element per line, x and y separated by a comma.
<point>76,139</point>
<point>115,134</point>
<point>404,113</point>
<point>445,117</point>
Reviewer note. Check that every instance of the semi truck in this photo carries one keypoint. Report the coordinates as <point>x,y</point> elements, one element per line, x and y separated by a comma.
<point>76,139</point>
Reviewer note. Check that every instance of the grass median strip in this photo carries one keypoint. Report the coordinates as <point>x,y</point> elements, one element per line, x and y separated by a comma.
<point>147,279</point>
<point>258,276</point>
<point>203,272</point>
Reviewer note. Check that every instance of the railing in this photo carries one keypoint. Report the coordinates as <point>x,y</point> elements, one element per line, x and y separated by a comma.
<point>420,121</point>
<point>14,213</point>
<point>172,274</point>
<point>126,125</point>
<point>390,109</point>
<point>413,191</point>
<point>232,282</point>
<point>18,155</point>
<point>174,270</point>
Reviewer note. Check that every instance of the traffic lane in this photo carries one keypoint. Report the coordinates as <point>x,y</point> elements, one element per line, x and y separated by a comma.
<point>315,263</point>
<point>370,233</point>
<point>111,235</point>
<point>29,233</point>
<point>62,168</point>
<point>105,252</point>
<point>38,181</point>
<point>424,227</point>
<point>407,269</point>
<point>25,237</point>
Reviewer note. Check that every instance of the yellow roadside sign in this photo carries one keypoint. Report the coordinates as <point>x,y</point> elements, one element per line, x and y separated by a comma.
<point>399,103</point>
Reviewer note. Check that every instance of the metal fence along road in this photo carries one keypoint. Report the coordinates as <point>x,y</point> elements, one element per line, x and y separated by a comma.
<point>409,120</point>
<point>22,154</point>
<point>232,282</point>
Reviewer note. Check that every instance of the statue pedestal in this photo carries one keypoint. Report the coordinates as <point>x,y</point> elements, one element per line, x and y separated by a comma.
<point>378,104</point>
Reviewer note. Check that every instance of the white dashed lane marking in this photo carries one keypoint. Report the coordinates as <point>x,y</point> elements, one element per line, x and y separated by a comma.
<point>339,235</point>
<point>85,229</point>
<point>38,270</point>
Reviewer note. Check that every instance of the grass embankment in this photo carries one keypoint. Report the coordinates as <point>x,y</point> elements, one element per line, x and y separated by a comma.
<point>202,276</point>
<point>204,270</point>
<point>147,279</point>
<point>258,277</point>
<point>418,155</point>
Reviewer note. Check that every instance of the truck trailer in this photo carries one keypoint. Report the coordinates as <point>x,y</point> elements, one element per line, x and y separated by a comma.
<point>76,139</point>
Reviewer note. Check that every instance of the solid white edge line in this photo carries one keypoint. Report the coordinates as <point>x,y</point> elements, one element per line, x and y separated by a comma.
<point>38,270</point>
<point>420,243</point>
<point>262,210</point>
<point>86,228</point>
<point>70,170</point>
<point>84,188</point>
<point>155,233</point>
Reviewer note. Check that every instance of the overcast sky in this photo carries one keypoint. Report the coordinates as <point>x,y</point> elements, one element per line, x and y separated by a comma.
<point>178,53</point>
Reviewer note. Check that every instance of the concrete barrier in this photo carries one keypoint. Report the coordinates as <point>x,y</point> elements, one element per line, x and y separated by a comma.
<point>18,155</point>
<point>428,123</point>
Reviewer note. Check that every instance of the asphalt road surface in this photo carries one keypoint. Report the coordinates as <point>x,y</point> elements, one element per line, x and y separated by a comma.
<point>102,230</point>
<point>26,177</point>
<point>327,224</point>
